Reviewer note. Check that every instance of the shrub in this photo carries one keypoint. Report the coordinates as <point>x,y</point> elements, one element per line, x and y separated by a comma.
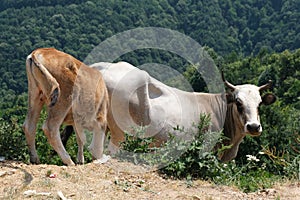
<point>137,149</point>
<point>197,162</point>
<point>12,140</point>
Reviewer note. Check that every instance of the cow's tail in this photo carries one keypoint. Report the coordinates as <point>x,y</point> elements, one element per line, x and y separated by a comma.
<point>45,81</point>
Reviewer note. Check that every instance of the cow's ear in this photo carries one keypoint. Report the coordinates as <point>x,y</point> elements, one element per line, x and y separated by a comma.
<point>229,97</point>
<point>268,99</point>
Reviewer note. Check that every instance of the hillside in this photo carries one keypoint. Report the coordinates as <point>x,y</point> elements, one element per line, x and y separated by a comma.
<point>93,181</point>
<point>243,27</point>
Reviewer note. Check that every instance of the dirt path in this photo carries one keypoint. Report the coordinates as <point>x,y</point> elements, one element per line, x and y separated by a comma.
<point>105,181</point>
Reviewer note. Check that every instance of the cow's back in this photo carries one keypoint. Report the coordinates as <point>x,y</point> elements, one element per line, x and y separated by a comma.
<point>137,99</point>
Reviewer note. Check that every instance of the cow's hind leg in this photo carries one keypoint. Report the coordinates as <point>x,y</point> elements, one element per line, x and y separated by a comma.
<point>29,126</point>
<point>35,104</point>
<point>80,138</point>
<point>51,130</point>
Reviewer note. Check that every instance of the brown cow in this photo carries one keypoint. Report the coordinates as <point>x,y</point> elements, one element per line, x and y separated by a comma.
<point>74,93</point>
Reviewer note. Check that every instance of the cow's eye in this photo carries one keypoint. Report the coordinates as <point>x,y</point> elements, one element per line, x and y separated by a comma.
<point>239,105</point>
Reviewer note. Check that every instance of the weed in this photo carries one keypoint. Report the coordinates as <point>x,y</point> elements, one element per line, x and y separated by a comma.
<point>248,177</point>
<point>192,159</point>
<point>66,174</point>
<point>48,173</point>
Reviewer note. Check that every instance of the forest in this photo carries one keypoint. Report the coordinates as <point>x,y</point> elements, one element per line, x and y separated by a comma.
<point>253,40</point>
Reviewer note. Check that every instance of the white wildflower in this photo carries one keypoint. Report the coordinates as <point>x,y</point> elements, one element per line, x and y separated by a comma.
<point>261,153</point>
<point>252,158</point>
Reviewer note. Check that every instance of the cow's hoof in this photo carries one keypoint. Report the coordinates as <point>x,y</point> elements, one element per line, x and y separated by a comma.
<point>68,162</point>
<point>80,162</point>
<point>34,160</point>
<point>102,160</point>
<point>71,164</point>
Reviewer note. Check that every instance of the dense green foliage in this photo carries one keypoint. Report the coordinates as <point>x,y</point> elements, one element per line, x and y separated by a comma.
<point>252,40</point>
<point>243,27</point>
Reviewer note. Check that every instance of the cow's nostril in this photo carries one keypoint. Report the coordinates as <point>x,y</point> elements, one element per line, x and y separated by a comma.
<point>253,127</point>
<point>249,127</point>
<point>258,128</point>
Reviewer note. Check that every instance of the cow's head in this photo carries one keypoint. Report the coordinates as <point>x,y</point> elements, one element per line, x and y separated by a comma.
<point>246,99</point>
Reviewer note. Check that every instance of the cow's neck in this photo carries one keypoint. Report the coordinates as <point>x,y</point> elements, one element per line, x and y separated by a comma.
<point>233,130</point>
<point>215,105</point>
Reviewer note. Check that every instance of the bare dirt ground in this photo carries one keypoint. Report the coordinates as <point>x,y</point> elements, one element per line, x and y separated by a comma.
<point>106,181</point>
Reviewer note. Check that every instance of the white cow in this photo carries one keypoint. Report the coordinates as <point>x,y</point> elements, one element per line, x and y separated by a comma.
<point>137,99</point>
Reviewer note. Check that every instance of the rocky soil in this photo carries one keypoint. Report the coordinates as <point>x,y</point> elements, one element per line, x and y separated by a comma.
<point>112,180</point>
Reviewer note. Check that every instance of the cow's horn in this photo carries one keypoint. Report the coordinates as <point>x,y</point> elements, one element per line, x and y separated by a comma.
<point>266,86</point>
<point>229,85</point>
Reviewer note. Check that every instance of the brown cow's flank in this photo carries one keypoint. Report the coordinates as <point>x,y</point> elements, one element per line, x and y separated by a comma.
<point>54,78</point>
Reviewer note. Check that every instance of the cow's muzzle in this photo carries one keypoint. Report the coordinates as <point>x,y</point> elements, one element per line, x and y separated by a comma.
<point>254,129</point>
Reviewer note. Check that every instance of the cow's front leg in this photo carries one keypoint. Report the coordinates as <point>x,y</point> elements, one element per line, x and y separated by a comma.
<point>97,145</point>
<point>51,130</point>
